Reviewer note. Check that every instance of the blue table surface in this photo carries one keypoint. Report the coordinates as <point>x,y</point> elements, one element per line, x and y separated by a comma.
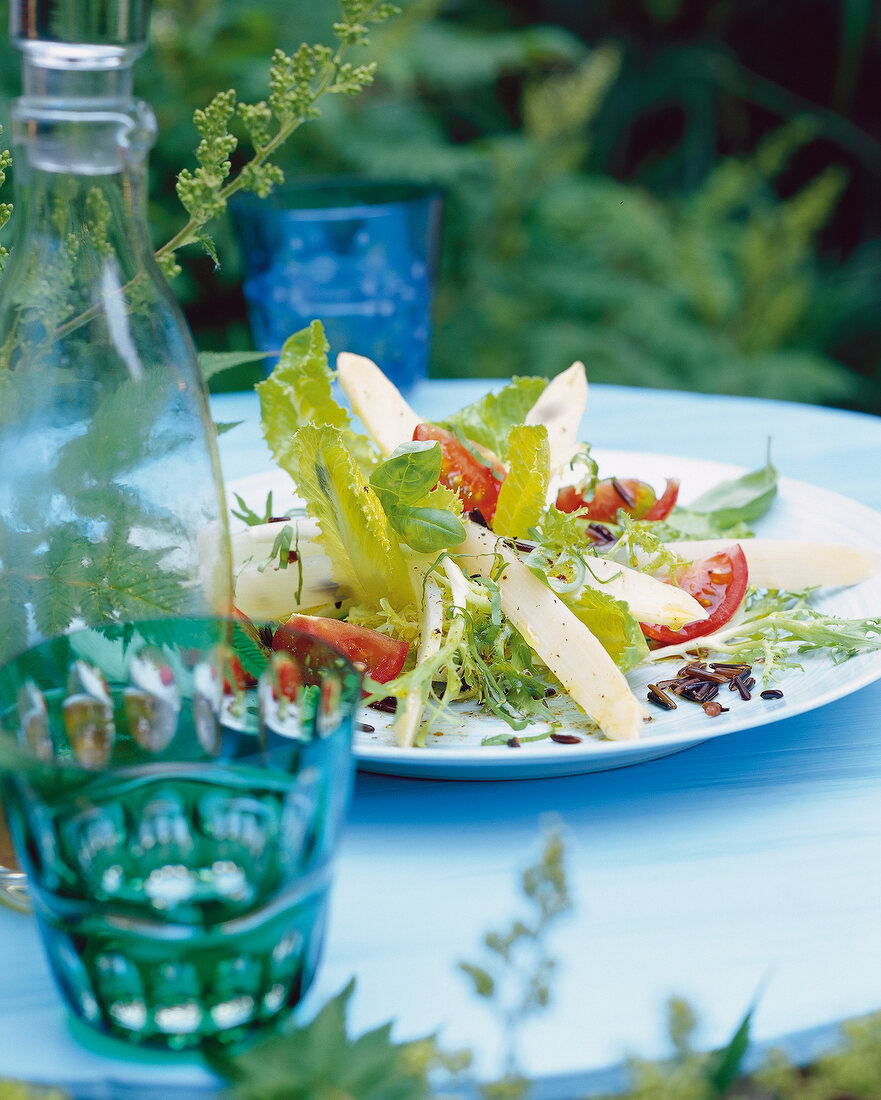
<point>747,865</point>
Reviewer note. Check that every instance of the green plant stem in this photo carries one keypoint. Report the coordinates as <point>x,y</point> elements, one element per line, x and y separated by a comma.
<point>187,233</point>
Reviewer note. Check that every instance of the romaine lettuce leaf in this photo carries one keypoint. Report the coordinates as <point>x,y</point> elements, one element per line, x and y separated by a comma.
<point>298,392</point>
<point>355,532</point>
<point>489,421</point>
<point>524,491</point>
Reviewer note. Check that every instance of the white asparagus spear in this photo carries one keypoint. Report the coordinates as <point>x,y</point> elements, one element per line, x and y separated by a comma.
<point>409,716</point>
<point>272,592</point>
<point>560,639</point>
<point>560,408</point>
<point>649,600</point>
<point>790,564</point>
<point>377,402</point>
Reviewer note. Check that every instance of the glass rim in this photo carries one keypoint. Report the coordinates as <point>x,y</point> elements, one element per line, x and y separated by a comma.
<point>57,655</point>
<point>347,197</point>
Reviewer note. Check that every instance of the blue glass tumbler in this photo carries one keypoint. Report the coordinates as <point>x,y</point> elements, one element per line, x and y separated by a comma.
<point>358,256</point>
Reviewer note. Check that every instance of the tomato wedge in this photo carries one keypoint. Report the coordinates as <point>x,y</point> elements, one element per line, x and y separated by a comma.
<point>718,583</point>
<point>476,482</point>
<point>382,656</point>
<point>666,502</point>
<point>626,494</point>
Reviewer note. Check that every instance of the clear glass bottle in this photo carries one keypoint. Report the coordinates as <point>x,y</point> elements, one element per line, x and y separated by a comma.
<point>111,505</point>
<point>111,501</point>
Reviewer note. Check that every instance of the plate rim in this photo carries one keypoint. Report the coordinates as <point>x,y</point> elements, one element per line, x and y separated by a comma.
<point>596,755</point>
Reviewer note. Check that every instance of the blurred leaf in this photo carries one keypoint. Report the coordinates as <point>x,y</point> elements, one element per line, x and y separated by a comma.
<point>216,362</point>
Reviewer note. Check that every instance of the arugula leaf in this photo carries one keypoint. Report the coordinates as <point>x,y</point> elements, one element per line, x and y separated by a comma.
<point>489,421</point>
<point>298,392</point>
<point>685,524</point>
<point>524,491</point>
<point>356,534</point>
<point>281,549</point>
<point>401,483</point>
<point>248,515</point>
<point>741,500</point>
<point>611,623</point>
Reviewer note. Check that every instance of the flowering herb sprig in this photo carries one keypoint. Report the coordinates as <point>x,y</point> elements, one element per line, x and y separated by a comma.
<point>297,82</point>
<point>516,978</point>
<point>5,207</point>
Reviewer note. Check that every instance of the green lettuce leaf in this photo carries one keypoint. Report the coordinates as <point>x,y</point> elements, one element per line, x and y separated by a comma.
<point>524,491</point>
<point>404,484</point>
<point>298,392</point>
<point>355,532</point>
<point>610,622</point>
<point>489,421</point>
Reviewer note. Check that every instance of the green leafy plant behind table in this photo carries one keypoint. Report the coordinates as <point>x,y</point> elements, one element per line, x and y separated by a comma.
<point>547,260</point>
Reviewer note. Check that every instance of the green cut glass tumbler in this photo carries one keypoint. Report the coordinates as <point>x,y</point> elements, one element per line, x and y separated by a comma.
<point>175,794</point>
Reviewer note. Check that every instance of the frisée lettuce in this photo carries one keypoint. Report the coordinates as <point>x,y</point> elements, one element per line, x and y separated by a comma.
<point>509,608</point>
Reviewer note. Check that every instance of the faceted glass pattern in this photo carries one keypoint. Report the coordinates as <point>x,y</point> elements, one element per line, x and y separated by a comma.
<point>176,816</point>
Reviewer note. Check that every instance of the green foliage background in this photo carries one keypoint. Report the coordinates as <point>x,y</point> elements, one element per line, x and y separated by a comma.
<point>683,268</point>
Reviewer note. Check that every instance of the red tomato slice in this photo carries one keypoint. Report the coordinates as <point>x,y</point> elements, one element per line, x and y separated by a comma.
<point>236,679</point>
<point>718,583</point>
<point>383,657</point>
<point>476,482</point>
<point>626,494</point>
<point>288,676</point>
<point>666,502</point>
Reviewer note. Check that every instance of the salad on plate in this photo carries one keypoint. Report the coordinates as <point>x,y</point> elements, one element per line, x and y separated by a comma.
<point>485,565</point>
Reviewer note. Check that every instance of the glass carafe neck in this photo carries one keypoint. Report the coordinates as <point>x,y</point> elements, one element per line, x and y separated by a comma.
<point>43,81</point>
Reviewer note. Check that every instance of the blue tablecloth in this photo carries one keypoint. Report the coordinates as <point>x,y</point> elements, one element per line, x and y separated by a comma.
<point>747,865</point>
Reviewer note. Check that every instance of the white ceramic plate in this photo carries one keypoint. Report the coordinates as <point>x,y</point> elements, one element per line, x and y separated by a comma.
<point>457,752</point>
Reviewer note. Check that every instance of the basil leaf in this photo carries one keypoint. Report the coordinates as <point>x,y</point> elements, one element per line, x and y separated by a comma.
<point>427,529</point>
<point>742,500</point>
<point>411,471</point>
<point>403,484</point>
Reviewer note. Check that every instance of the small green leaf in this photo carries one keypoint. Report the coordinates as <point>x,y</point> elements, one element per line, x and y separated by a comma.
<point>223,426</point>
<point>213,363</point>
<point>741,500</point>
<point>405,485</point>
<point>249,648</point>
<point>484,986</point>
<point>281,549</point>
<point>724,1067</point>
<point>319,1060</point>
<point>248,515</point>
